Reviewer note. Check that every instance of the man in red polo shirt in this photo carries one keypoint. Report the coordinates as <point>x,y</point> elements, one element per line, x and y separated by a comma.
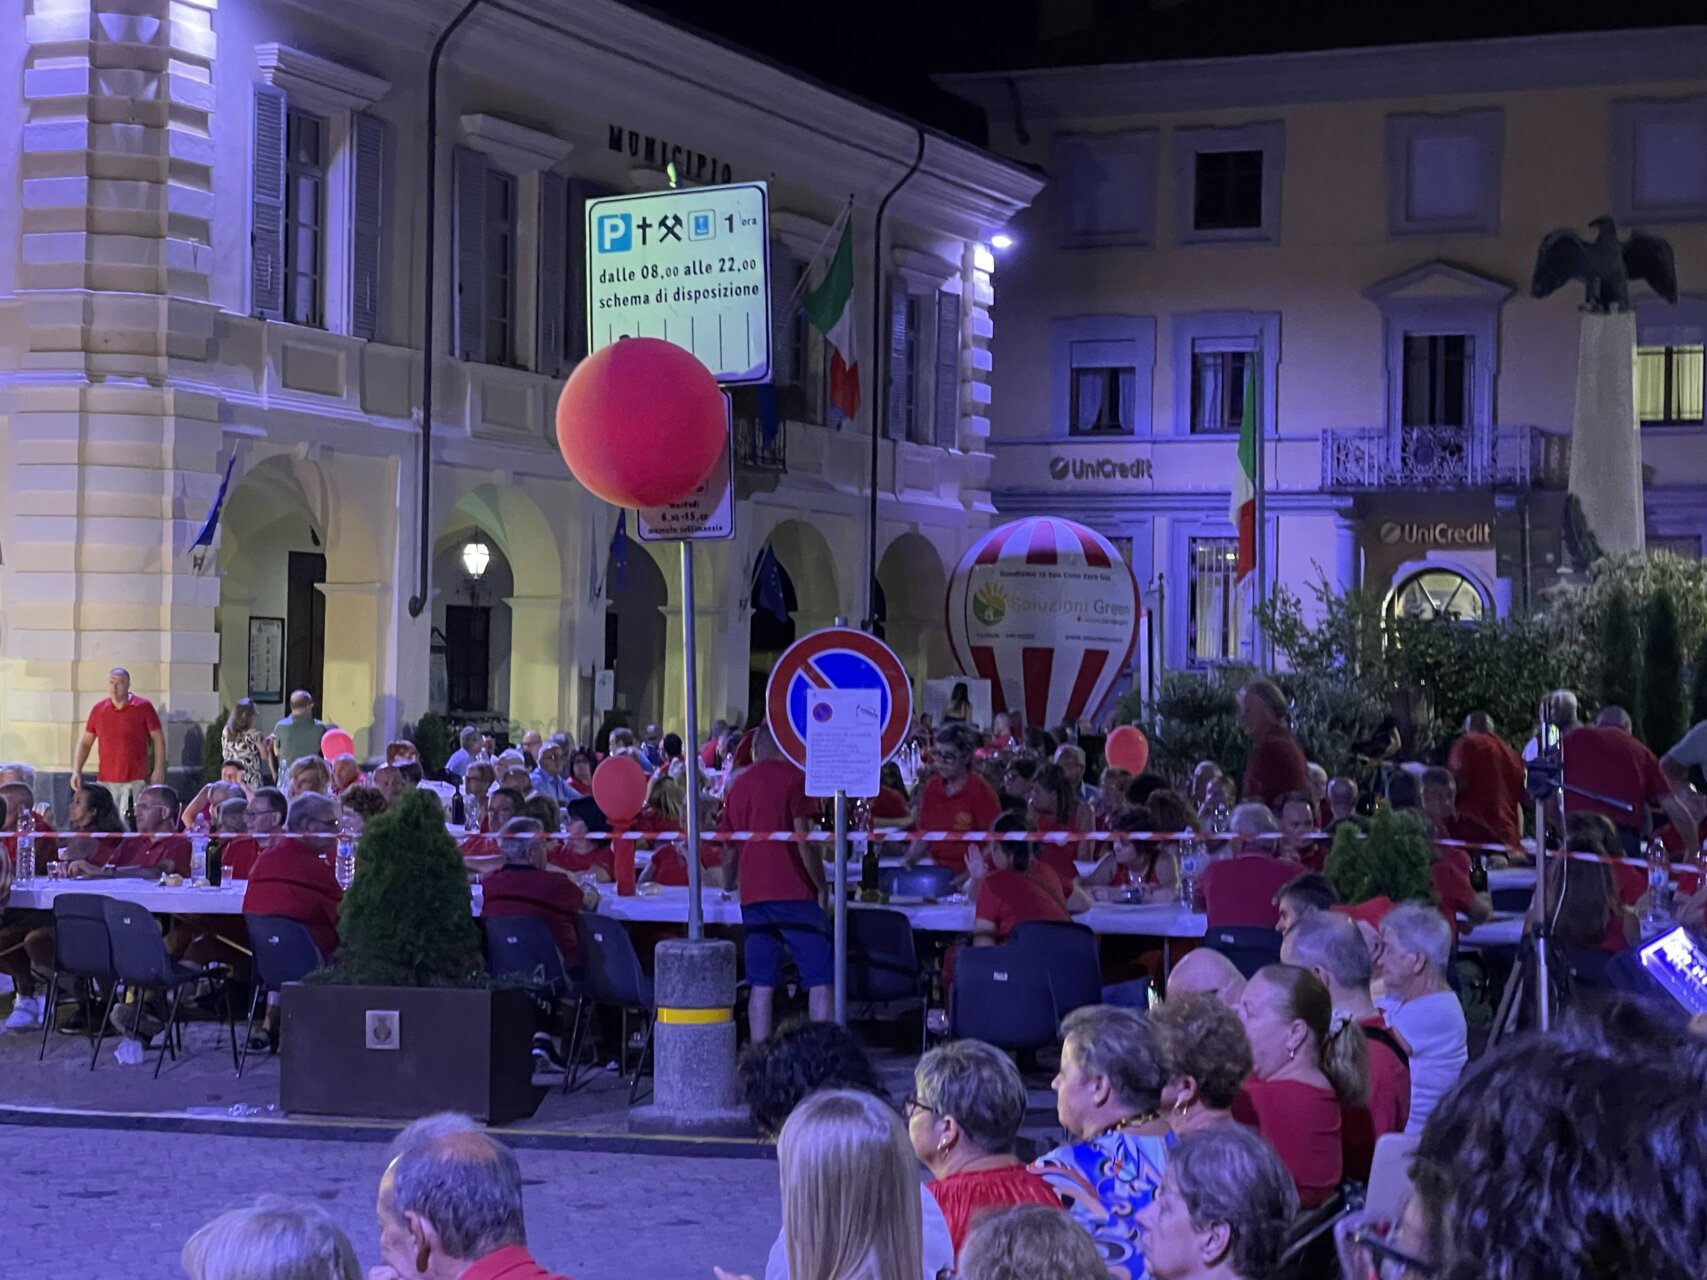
<point>263,820</point>
<point>291,879</point>
<point>954,799</point>
<point>1624,776</point>
<point>780,883</point>
<point>158,848</point>
<point>527,886</point>
<point>1490,779</point>
<point>124,725</point>
<point>1276,765</point>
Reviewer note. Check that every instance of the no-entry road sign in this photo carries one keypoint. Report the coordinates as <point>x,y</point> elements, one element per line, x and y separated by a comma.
<point>837,658</point>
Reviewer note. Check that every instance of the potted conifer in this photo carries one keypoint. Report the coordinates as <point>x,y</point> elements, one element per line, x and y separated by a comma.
<point>404,1022</point>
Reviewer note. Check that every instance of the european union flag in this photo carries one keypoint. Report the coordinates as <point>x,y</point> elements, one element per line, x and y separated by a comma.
<point>619,553</point>
<point>768,592</point>
<point>205,537</point>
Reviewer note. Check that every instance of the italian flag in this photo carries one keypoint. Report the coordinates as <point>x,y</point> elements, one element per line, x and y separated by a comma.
<point>1244,509</point>
<point>830,309</point>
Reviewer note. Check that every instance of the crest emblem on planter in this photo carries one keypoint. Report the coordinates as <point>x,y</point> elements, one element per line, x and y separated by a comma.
<point>383,1030</point>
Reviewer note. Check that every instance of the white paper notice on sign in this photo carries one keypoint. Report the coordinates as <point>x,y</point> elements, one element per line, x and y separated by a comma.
<point>844,741</point>
<point>706,514</point>
<point>690,266</point>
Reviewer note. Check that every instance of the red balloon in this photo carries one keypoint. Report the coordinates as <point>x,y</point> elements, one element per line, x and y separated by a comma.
<point>1127,748</point>
<point>641,422</point>
<point>619,788</point>
<point>335,743</point>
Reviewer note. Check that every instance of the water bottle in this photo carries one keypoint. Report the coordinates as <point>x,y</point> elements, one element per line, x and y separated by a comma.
<point>344,865</point>
<point>1659,886</point>
<point>1220,818</point>
<point>198,846</point>
<point>26,868</point>
<point>1191,863</point>
<point>471,815</point>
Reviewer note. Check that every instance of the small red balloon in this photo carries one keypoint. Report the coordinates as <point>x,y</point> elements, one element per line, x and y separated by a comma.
<point>1127,748</point>
<point>641,422</point>
<point>619,788</point>
<point>335,743</point>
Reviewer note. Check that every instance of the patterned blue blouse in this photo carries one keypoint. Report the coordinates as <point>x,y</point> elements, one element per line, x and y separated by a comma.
<point>1104,1184</point>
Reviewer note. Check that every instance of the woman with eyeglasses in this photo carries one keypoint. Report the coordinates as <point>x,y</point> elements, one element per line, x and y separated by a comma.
<point>1222,1212</point>
<point>963,1118</point>
<point>954,799</point>
<point>1310,1064</point>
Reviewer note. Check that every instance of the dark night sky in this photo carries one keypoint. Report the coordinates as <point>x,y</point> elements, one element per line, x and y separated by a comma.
<point>887,50</point>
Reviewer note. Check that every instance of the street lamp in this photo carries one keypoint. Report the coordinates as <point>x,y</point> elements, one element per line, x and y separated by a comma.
<point>1001,242</point>
<point>476,555</point>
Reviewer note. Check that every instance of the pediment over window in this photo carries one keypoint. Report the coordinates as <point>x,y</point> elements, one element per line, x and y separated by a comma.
<point>1438,282</point>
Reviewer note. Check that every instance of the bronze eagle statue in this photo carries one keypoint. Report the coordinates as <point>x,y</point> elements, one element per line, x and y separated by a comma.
<point>1605,265</point>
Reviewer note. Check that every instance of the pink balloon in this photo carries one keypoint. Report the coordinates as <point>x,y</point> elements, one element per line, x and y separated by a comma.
<point>641,422</point>
<point>335,743</point>
<point>1047,612</point>
<point>619,788</point>
<point>1127,748</point>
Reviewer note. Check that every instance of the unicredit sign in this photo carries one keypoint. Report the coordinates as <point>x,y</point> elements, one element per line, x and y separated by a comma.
<point>1437,534</point>
<point>1099,468</point>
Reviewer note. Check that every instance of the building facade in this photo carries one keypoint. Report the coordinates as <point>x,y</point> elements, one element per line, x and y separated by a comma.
<point>1345,239</point>
<point>211,263</point>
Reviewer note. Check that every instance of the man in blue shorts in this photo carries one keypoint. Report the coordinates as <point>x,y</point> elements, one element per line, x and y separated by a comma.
<point>782,885</point>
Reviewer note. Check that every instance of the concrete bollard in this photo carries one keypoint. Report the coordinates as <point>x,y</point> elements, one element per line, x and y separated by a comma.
<point>693,1083</point>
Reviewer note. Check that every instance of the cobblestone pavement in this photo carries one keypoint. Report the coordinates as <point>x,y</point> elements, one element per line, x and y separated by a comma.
<point>93,1204</point>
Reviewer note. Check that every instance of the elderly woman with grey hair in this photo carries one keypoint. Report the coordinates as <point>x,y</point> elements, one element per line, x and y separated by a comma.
<point>1223,1210</point>
<point>1108,1096</point>
<point>271,1240</point>
<point>967,1105</point>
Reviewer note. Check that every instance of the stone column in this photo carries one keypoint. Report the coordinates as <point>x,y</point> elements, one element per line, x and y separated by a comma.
<point>349,695</point>
<point>1348,561</point>
<point>539,696</point>
<point>1606,447</point>
<point>111,461</point>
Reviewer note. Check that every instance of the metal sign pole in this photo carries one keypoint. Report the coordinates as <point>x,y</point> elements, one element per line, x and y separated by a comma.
<point>1543,914</point>
<point>841,883</point>
<point>690,694</point>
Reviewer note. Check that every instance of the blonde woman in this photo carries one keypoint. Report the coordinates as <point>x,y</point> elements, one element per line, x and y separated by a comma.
<point>271,1240</point>
<point>308,774</point>
<point>850,1197</point>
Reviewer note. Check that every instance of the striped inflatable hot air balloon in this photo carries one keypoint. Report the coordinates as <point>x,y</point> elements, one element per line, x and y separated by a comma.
<point>1047,612</point>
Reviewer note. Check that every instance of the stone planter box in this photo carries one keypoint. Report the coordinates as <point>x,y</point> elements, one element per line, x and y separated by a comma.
<point>398,1053</point>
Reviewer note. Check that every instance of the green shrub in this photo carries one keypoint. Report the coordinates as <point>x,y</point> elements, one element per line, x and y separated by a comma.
<point>213,747</point>
<point>1662,675</point>
<point>1619,682</point>
<point>432,739</point>
<point>1195,717</point>
<point>406,919</point>
<point>1698,685</point>
<point>1391,859</point>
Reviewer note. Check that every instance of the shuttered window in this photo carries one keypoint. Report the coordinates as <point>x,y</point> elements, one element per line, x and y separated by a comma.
<point>903,409</point>
<point>550,339</point>
<point>946,407</point>
<point>367,208</point>
<point>267,224</point>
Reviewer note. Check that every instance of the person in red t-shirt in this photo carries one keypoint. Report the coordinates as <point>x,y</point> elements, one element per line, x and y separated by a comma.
<point>291,879</point>
<point>1490,779</point>
<point>953,799</point>
<point>125,726</point>
<point>890,807</point>
<point>527,886</point>
<point>1446,818</point>
<point>780,883</point>
<point>1276,764</point>
<point>963,1118</point>
<point>263,820</point>
<point>157,849</point>
<point>1331,946</point>
<point>1240,891</point>
<point>669,865</point>
<point>1054,807</point>
<point>1297,815</point>
<point>1605,759</point>
<point>1008,888</point>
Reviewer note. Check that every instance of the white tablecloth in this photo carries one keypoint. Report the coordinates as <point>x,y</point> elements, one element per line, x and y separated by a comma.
<point>226,900</point>
<point>1504,930</point>
<point>1511,878</point>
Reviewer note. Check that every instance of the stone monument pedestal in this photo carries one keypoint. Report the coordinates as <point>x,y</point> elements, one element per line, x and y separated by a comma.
<point>1606,447</point>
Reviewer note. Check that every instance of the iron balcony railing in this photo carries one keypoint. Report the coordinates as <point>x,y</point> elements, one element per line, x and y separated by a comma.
<point>1480,457</point>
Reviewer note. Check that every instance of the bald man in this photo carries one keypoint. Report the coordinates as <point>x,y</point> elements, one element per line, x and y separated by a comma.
<point>1210,972</point>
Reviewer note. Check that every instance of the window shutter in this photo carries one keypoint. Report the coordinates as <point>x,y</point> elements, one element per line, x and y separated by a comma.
<point>947,407</point>
<point>468,256</point>
<point>581,190</point>
<point>550,347</point>
<point>784,274</point>
<point>897,425</point>
<point>368,142</point>
<point>267,232</point>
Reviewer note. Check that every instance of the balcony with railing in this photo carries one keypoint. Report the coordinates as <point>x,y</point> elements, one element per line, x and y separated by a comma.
<point>1481,457</point>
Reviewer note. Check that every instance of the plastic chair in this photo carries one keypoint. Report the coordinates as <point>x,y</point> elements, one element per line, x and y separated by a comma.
<point>614,978</point>
<point>1003,998</point>
<point>1247,946</point>
<point>81,949</point>
<point>1067,952</point>
<point>284,951</point>
<point>522,947</point>
<point>927,880</point>
<point>883,960</point>
<point>142,964</point>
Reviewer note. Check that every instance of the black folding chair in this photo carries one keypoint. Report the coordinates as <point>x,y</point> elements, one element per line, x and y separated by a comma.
<point>81,951</point>
<point>142,965</point>
<point>1067,952</point>
<point>1247,946</point>
<point>616,980</point>
<point>883,962</point>
<point>1002,997</point>
<point>283,951</point>
<point>522,947</point>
